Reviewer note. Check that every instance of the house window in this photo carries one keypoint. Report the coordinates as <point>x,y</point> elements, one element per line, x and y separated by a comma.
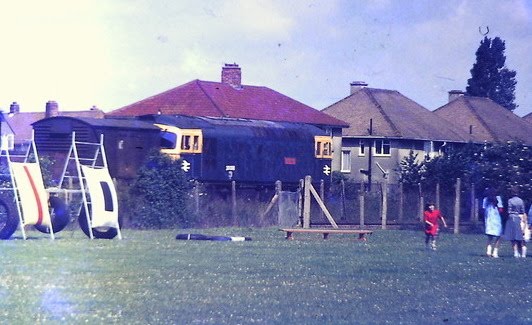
<point>323,147</point>
<point>382,147</point>
<point>362,148</point>
<point>346,161</point>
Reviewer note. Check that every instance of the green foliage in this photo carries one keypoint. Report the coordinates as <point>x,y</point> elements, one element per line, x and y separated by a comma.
<point>501,166</point>
<point>490,77</point>
<point>506,166</point>
<point>350,188</point>
<point>411,170</point>
<point>47,165</point>
<point>160,192</point>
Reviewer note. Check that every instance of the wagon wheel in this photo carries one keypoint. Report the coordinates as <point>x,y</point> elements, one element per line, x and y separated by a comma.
<point>8,221</point>
<point>60,216</point>
<point>100,232</point>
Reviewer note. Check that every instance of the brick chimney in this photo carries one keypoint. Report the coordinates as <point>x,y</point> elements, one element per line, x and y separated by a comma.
<point>455,94</point>
<point>232,75</point>
<point>357,85</point>
<point>52,109</point>
<point>14,108</point>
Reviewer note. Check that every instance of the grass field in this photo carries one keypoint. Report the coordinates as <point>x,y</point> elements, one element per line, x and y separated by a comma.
<point>151,278</point>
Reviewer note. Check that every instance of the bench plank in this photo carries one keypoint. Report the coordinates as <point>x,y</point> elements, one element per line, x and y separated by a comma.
<point>361,232</point>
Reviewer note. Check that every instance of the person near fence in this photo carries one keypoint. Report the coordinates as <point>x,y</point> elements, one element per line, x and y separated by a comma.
<point>492,205</point>
<point>512,230</point>
<point>431,218</point>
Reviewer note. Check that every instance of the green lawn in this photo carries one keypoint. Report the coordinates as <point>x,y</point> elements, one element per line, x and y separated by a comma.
<point>151,278</point>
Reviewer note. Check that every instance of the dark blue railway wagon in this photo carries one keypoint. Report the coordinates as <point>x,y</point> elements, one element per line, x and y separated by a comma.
<point>217,150</point>
<point>127,142</point>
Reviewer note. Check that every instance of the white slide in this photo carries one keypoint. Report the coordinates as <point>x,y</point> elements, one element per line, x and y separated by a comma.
<point>33,196</point>
<point>104,201</point>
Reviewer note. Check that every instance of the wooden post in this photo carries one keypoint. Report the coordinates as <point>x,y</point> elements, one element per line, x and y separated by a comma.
<point>322,194</point>
<point>421,203</point>
<point>438,196</point>
<point>196,197</point>
<point>362,202</point>
<point>473,213</point>
<point>306,202</point>
<point>322,206</point>
<point>274,200</point>
<point>401,201</point>
<point>342,196</point>
<point>233,202</point>
<point>457,205</point>
<point>300,202</point>
<point>384,209</point>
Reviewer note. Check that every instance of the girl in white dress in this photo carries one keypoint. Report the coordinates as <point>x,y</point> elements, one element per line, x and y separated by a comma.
<point>492,206</point>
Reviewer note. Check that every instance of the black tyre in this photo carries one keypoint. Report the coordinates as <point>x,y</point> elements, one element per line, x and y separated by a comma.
<point>9,221</point>
<point>60,216</point>
<point>101,232</point>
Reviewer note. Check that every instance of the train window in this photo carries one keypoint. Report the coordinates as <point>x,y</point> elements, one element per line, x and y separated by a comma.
<point>185,142</point>
<point>323,147</point>
<point>168,140</point>
<point>191,141</point>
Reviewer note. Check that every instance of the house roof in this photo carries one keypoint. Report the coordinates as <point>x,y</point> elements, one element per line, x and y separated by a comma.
<point>528,117</point>
<point>21,122</point>
<point>217,99</point>
<point>484,120</point>
<point>393,116</point>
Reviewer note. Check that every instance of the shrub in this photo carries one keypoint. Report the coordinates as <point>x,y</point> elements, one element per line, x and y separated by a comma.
<point>160,192</point>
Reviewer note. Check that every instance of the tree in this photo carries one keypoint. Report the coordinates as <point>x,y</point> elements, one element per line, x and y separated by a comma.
<point>490,77</point>
<point>411,172</point>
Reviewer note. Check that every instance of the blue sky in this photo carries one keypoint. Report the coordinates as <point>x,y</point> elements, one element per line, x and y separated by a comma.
<point>111,53</point>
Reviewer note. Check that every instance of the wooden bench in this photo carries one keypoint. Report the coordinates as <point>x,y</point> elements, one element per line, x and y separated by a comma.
<point>361,233</point>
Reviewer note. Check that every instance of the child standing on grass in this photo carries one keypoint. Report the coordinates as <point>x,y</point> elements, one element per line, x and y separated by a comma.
<point>513,231</point>
<point>492,205</point>
<point>431,218</point>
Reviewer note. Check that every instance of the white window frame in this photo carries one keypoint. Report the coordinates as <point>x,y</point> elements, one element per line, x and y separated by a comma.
<point>382,144</point>
<point>345,161</point>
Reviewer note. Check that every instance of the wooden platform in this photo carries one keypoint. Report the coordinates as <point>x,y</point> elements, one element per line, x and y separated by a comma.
<point>360,232</point>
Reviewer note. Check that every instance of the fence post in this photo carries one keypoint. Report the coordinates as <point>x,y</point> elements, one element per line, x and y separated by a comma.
<point>322,194</point>
<point>438,196</point>
<point>300,202</point>
<point>421,203</point>
<point>384,209</point>
<point>457,206</point>
<point>233,202</point>
<point>342,196</point>
<point>362,201</point>
<point>473,215</point>
<point>401,201</point>
<point>306,202</point>
<point>196,196</point>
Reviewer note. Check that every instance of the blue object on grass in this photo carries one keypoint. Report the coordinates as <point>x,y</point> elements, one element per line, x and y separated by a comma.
<point>207,237</point>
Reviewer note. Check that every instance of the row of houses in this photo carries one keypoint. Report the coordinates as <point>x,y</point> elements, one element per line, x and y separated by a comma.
<point>372,129</point>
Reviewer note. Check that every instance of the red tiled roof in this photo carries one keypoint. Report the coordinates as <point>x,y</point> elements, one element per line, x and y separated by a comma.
<point>485,120</point>
<point>215,99</point>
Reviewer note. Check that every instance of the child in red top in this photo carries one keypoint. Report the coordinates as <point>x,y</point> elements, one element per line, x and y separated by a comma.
<point>431,217</point>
